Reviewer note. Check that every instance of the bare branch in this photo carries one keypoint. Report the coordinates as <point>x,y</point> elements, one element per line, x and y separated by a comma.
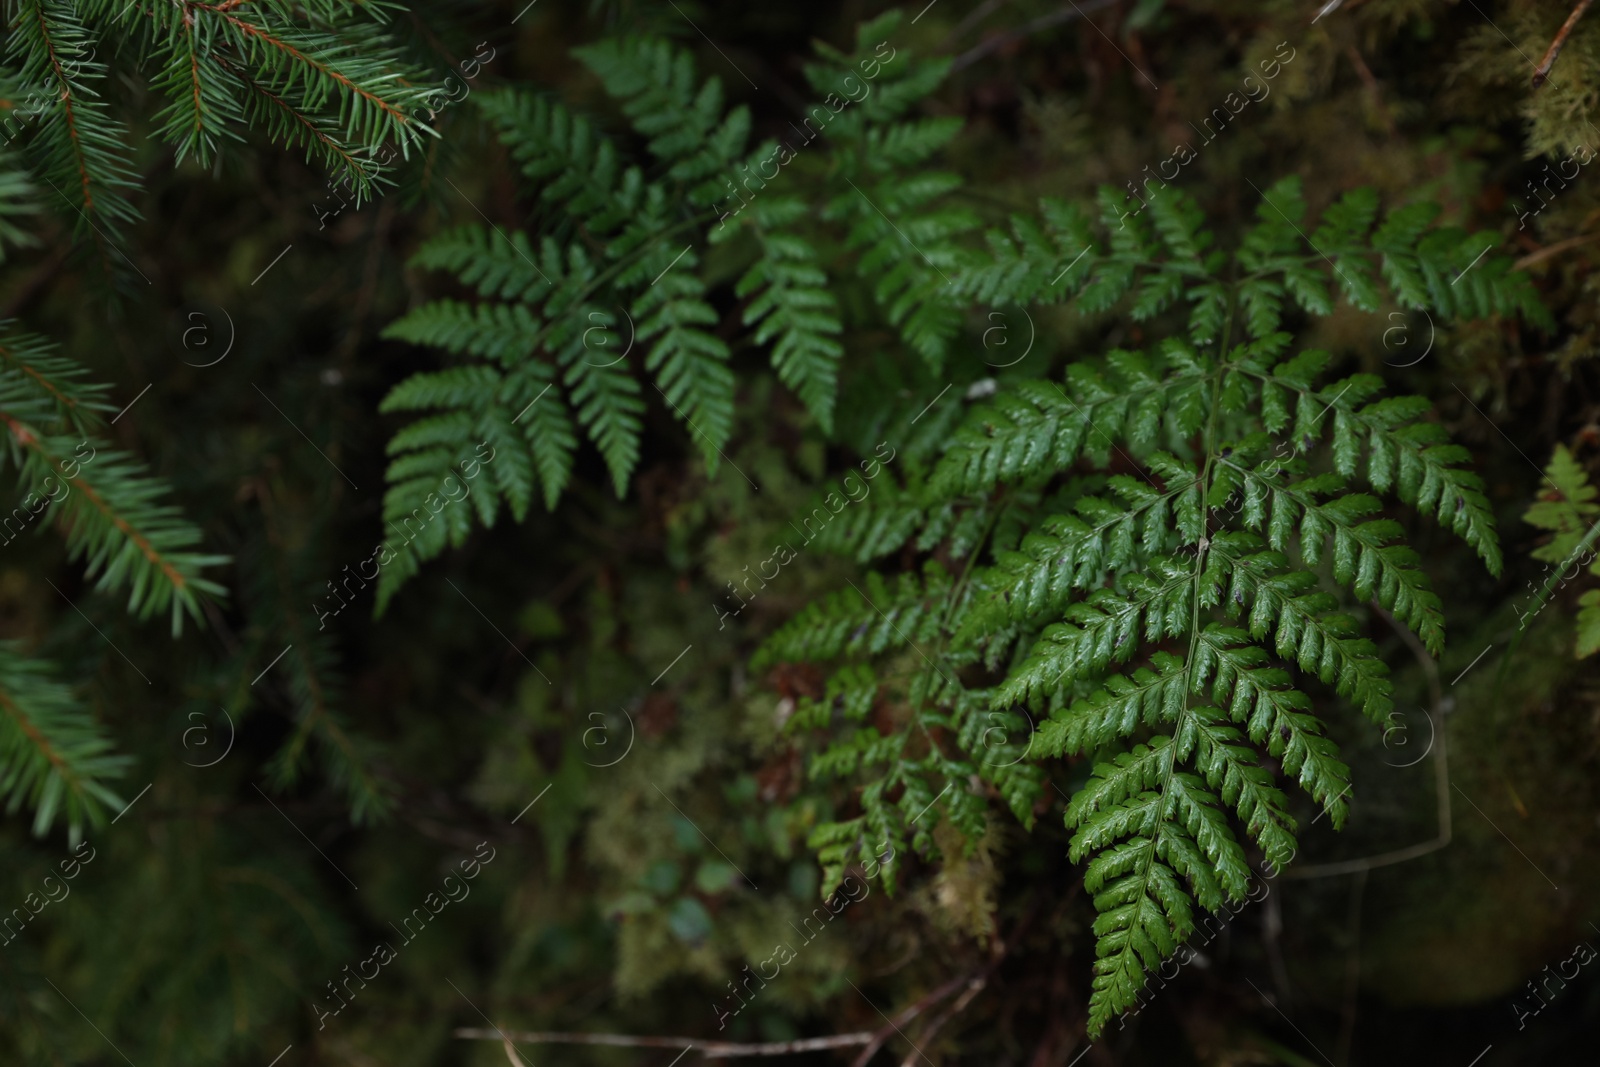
<point>892,1027</point>
<point>1043,22</point>
<point>1541,74</point>
<point>974,987</point>
<point>711,1050</point>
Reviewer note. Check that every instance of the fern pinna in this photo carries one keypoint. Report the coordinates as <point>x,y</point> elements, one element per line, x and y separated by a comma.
<point>1143,557</point>
<point>615,274</point>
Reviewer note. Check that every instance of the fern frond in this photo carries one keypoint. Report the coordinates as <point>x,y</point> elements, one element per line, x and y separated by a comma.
<point>874,619</point>
<point>793,307</point>
<point>691,364</point>
<point>1301,618</point>
<point>1568,510</point>
<point>577,169</point>
<point>1190,513</point>
<point>905,226</point>
<point>686,125</point>
<point>1038,427</point>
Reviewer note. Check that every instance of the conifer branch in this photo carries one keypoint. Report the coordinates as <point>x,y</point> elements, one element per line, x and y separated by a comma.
<point>53,755</point>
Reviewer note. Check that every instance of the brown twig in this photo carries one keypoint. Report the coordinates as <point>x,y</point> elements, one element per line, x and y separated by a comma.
<point>974,987</point>
<point>717,1050</point>
<point>711,1050</point>
<point>369,283</point>
<point>893,1026</point>
<point>1374,90</point>
<point>1543,71</point>
<point>1043,22</point>
<point>975,16</point>
<point>1550,250</point>
<point>36,280</point>
<point>511,1053</point>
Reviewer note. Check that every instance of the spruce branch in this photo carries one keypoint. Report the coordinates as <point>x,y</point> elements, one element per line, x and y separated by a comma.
<point>54,756</point>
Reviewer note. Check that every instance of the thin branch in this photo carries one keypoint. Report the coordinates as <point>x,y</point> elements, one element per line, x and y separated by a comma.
<point>349,159</point>
<point>67,109</point>
<point>250,29</point>
<point>1043,22</point>
<point>974,987</point>
<point>977,15</point>
<point>975,983</point>
<point>41,276</point>
<point>511,1053</point>
<point>711,1050</point>
<point>1543,71</point>
<point>892,1027</point>
<point>1551,250</point>
<point>1352,972</point>
<point>1441,776</point>
<point>44,383</point>
<point>1374,90</point>
<point>719,1050</point>
<point>30,440</point>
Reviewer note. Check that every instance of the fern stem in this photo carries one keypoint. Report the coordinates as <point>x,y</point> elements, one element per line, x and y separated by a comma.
<point>966,571</point>
<point>1208,446</point>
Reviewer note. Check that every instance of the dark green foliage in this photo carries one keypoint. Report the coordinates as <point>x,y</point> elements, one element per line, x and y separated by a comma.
<point>1568,510</point>
<point>106,504</point>
<point>107,507</point>
<point>1153,620</point>
<point>615,271</point>
<point>53,756</point>
<point>318,77</point>
<point>322,77</point>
